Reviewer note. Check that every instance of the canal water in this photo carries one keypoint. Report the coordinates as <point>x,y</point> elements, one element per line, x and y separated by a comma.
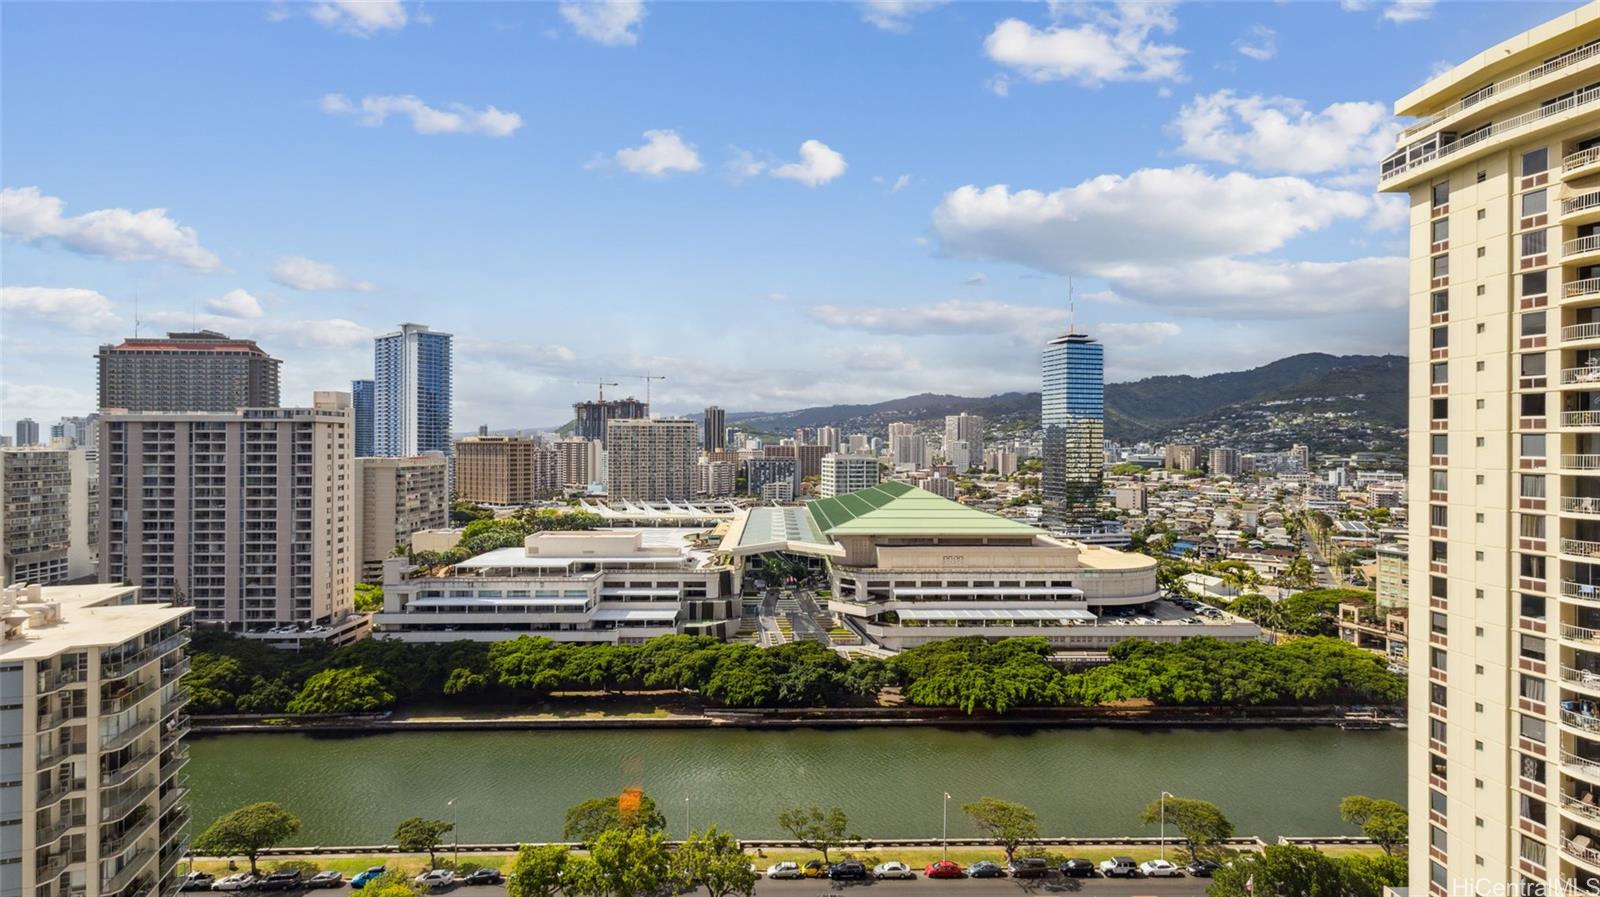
<point>511,786</point>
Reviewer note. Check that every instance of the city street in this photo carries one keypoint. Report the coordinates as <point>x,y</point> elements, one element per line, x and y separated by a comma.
<point>961,887</point>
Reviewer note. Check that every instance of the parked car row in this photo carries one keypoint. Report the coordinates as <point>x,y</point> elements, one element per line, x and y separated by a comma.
<point>293,880</point>
<point>1021,867</point>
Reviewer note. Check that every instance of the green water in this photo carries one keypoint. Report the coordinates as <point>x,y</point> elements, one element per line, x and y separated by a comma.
<point>511,786</point>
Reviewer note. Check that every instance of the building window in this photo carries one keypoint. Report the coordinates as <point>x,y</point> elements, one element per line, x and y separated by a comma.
<point>1531,526</point>
<point>1437,802</point>
<point>1440,373</point>
<point>1441,302</point>
<point>1439,444</point>
<point>1533,324</point>
<point>1441,409</point>
<point>1533,364</point>
<point>1532,768</point>
<point>1535,203</point>
<point>1535,161</point>
<point>1532,567</point>
<point>1533,404</point>
<point>1438,551</point>
<point>1441,265</point>
<point>1436,659</point>
<point>1535,283</point>
<point>1436,838</point>
<point>1531,647</point>
<point>1532,445</point>
<point>1530,485</point>
<point>1438,515</point>
<point>1534,243</point>
<point>1441,230</point>
<point>1441,193</point>
<point>1436,730</point>
<point>1532,688</point>
<point>1438,480</point>
<point>1440,338</point>
<point>1532,809</point>
<point>1533,607</point>
<point>1436,694</point>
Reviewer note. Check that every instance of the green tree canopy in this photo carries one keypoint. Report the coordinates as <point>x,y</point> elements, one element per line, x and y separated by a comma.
<point>815,829</point>
<point>341,690</point>
<point>247,831</point>
<point>713,860</point>
<point>416,835</point>
<point>630,862</point>
<point>1201,822</point>
<point>1008,824</point>
<point>630,810</point>
<point>537,870</point>
<point>1383,821</point>
<point>1283,870</point>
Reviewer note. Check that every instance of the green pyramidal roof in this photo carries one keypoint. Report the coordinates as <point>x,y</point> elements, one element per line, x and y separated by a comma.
<point>901,509</point>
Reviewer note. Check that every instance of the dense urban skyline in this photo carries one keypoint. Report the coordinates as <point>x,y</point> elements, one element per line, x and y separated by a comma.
<point>485,168</point>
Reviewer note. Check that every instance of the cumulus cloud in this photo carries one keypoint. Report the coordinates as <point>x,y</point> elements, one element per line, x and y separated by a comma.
<point>614,23</point>
<point>895,184</point>
<point>70,307</point>
<point>1401,11</point>
<point>455,118</point>
<point>1259,43</point>
<point>742,165</point>
<point>360,17</point>
<point>895,15</point>
<point>952,316</point>
<point>818,164</point>
<point>304,334</point>
<point>1142,331</point>
<point>874,357</point>
<point>1193,255</point>
<point>300,273</point>
<point>1282,134</point>
<point>27,215</point>
<point>662,153</point>
<point>1112,43</point>
<point>236,304</point>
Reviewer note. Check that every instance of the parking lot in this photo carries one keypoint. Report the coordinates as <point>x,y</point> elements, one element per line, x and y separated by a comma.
<point>961,887</point>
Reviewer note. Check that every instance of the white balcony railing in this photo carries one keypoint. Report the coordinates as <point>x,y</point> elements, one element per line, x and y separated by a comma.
<point>1538,72</point>
<point>1589,286</point>
<point>1580,159</point>
<point>1585,591</point>
<point>1583,202</point>
<point>1581,245</point>
<point>1580,504</point>
<point>1584,721</point>
<point>1585,374</point>
<point>1580,100</point>
<point>1580,418</point>
<point>1579,633</point>
<point>1580,547</point>
<point>1581,462</point>
<point>1576,332</point>
<point>1588,678</point>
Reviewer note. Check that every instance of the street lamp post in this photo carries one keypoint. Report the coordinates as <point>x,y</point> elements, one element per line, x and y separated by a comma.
<point>455,816</point>
<point>688,821</point>
<point>1164,796</point>
<point>944,837</point>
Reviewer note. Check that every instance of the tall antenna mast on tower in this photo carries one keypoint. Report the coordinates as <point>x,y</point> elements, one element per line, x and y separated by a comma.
<point>1072,308</point>
<point>135,316</point>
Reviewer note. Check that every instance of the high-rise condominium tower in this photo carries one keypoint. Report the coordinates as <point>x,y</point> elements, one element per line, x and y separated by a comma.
<point>361,399</point>
<point>965,428</point>
<point>199,371</point>
<point>651,460</point>
<point>1072,410</point>
<point>714,435</point>
<point>411,392</point>
<point>1501,167</point>
<point>590,419</point>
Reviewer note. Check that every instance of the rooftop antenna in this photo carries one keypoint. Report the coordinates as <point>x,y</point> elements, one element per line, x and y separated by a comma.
<point>136,316</point>
<point>1072,308</point>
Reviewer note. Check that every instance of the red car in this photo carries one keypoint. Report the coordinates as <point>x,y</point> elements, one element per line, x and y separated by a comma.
<point>942,869</point>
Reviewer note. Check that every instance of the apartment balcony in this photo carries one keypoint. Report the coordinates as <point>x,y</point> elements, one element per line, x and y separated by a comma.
<point>1589,286</point>
<point>1582,100</point>
<point>1574,250</point>
<point>1582,851</point>
<point>1582,721</point>
<point>136,865</point>
<point>1580,418</point>
<point>45,834</point>
<point>117,808</point>
<point>129,735</point>
<point>1580,462</point>
<point>1580,548</point>
<point>1587,679</point>
<point>48,684</point>
<point>61,752</point>
<point>60,791</point>
<point>137,762</point>
<point>1580,163</point>
<point>53,866</point>
<point>1580,333</point>
<point>1588,374</point>
<point>120,701</point>
<point>49,721</point>
<point>1581,207</point>
<point>117,843</point>
<point>1580,633</point>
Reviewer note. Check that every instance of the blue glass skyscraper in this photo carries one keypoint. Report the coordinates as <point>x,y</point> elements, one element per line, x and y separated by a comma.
<point>361,399</point>
<point>411,392</point>
<point>1073,413</point>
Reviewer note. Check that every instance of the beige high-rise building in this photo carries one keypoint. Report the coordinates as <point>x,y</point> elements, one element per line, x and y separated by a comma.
<point>578,462</point>
<point>45,515</point>
<point>398,496</point>
<point>1501,168</point>
<point>246,515</point>
<point>504,470</point>
<point>651,460</point>
<point>968,429</point>
<point>847,473</point>
<point>93,794</point>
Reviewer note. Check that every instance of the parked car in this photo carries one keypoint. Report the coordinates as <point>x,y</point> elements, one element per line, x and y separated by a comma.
<point>892,870</point>
<point>1202,868</point>
<point>483,876</point>
<point>985,869</point>
<point>197,881</point>
<point>360,879</point>
<point>814,869</point>
<point>1028,867</point>
<point>1119,867</point>
<point>784,870</point>
<point>235,882</point>
<point>281,881</point>
<point>849,870</point>
<point>436,878</point>
<point>1076,868</point>
<point>943,869</point>
<point>326,879</point>
<point>1159,869</point>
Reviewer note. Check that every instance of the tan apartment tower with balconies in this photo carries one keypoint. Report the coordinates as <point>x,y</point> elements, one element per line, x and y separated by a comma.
<point>1501,166</point>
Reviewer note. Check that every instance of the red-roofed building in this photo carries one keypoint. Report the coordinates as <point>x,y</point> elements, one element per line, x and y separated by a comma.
<point>186,372</point>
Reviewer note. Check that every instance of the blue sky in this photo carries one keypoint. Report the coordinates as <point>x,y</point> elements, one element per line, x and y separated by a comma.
<point>773,204</point>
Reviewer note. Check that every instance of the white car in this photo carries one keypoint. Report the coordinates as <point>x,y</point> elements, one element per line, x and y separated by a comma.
<point>438,878</point>
<point>892,870</point>
<point>236,882</point>
<point>785,870</point>
<point>1159,869</point>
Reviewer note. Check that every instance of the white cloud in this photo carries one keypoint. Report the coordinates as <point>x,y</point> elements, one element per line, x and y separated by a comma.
<point>1281,134</point>
<point>742,165</point>
<point>874,357</point>
<point>1136,332</point>
<point>895,185</point>
<point>1391,212</point>
<point>895,15</point>
<point>1259,43</point>
<point>818,164</point>
<point>71,307</point>
<point>952,316</point>
<point>613,23</point>
<point>663,152</point>
<point>360,17</point>
<point>999,85</point>
<point>976,280</point>
<point>300,273</point>
<point>31,217</point>
<point>456,118</point>
<point>236,304</point>
<point>1401,11</point>
<point>776,296</point>
<point>1177,238</point>
<point>1112,43</point>
<point>315,334</point>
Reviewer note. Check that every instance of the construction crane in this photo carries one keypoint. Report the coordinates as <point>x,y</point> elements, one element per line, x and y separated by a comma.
<point>647,378</point>
<point>600,384</point>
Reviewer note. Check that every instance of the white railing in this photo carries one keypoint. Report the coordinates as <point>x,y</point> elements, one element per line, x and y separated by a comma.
<point>1581,720</point>
<point>1580,504</point>
<point>1569,58</point>
<point>1589,286</point>
<point>1580,547</point>
<point>1583,677</point>
<point>1580,418</point>
<point>1576,332</point>
<point>1584,590</point>
<point>1581,851</point>
<point>1588,374</point>
<point>1580,159</point>
<point>1579,633</point>
<point>1579,764</point>
<point>1581,462</point>
<point>1581,202</point>
<point>1577,806</point>
<point>1580,99</point>
<point>1581,245</point>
